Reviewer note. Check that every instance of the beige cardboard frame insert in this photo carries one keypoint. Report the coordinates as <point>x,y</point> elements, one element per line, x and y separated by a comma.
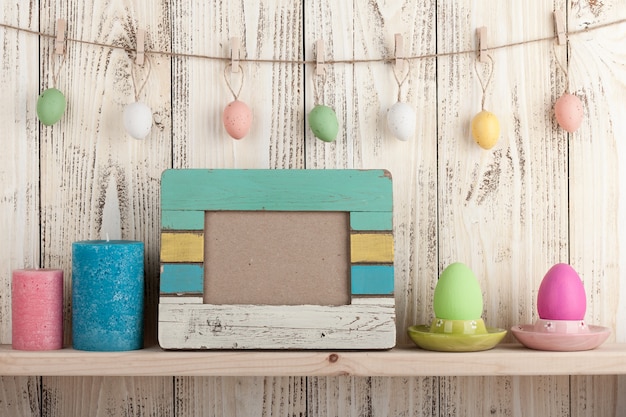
<point>277,258</point>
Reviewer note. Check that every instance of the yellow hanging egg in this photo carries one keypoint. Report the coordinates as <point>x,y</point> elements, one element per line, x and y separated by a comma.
<point>485,129</point>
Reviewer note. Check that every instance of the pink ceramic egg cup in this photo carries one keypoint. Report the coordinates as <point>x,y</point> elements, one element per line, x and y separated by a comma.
<point>560,335</point>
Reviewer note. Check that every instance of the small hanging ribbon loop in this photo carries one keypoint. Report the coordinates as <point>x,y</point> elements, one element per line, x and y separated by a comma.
<point>318,79</point>
<point>134,69</point>
<point>561,66</point>
<point>228,84</point>
<point>484,84</point>
<point>401,78</point>
<point>56,62</point>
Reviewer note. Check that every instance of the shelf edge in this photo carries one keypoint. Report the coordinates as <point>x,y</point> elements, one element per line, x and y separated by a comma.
<point>506,359</point>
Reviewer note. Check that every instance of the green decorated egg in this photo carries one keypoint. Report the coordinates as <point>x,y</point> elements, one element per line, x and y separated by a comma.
<point>457,294</point>
<point>323,123</point>
<point>50,106</point>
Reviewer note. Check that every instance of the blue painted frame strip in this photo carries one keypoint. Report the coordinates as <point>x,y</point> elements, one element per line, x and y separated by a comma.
<point>372,279</point>
<point>182,278</point>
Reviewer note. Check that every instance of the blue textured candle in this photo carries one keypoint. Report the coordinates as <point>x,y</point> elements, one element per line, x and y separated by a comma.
<point>107,295</point>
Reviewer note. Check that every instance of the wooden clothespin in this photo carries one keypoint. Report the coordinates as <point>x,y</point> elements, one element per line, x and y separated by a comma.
<point>141,41</point>
<point>559,27</point>
<point>59,43</point>
<point>481,33</point>
<point>235,48</point>
<point>399,52</point>
<point>320,66</point>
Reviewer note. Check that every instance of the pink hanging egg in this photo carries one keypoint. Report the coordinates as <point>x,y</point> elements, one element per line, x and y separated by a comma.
<point>561,295</point>
<point>237,118</point>
<point>568,110</point>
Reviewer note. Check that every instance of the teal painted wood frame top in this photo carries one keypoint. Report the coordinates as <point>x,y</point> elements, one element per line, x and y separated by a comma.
<point>278,190</point>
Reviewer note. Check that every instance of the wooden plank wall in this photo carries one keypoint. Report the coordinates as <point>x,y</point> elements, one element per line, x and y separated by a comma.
<point>540,196</point>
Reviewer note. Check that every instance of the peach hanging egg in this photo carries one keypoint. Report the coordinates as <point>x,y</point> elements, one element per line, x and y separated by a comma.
<point>568,110</point>
<point>237,118</point>
<point>485,129</point>
<point>561,295</point>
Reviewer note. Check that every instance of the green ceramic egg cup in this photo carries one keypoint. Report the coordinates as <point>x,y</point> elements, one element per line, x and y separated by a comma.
<point>456,335</point>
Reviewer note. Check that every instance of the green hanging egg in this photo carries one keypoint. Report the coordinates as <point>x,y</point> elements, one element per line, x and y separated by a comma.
<point>323,123</point>
<point>457,294</point>
<point>50,106</point>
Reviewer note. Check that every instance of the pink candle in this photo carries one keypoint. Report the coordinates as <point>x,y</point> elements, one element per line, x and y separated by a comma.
<point>37,309</point>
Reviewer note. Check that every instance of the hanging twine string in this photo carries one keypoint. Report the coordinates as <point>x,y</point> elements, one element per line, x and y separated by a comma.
<point>56,68</point>
<point>230,67</point>
<point>484,84</point>
<point>399,80</point>
<point>318,78</point>
<point>145,79</point>
<point>560,64</point>
<point>305,62</point>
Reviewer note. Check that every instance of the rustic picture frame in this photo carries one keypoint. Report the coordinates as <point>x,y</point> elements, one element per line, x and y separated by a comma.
<point>187,322</point>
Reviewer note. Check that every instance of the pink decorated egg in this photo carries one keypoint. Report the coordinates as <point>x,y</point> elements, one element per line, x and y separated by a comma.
<point>237,118</point>
<point>568,110</point>
<point>561,295</point>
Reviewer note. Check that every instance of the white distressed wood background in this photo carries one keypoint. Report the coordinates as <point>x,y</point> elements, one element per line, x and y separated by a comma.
<point>539,197</point>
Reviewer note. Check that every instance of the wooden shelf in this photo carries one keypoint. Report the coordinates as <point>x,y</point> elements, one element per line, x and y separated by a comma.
<point>510,359</point>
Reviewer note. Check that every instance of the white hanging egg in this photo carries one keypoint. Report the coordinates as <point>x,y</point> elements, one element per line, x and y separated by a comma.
<point>401,120</point>
<point>137,120</point>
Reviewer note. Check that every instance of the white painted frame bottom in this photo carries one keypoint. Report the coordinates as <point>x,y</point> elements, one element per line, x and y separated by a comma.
<point>367,323</point>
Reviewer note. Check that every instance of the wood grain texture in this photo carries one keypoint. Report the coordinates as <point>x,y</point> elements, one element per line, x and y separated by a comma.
<point>20,396</point>
<point>507,396</point>
<point>488,199</point>
<point>368,324</point>
<point>19,189</point>
<point>373,396</point>
<point>540,197</point>
<point>98,181</point>
<point>92,171</point>
<point>108,396</point>
<point>268,30</point>
<point>361,95</point>
<point>504,360</point>
<point>19,166</point>
<point>597,210</point>
<point>229,396</point>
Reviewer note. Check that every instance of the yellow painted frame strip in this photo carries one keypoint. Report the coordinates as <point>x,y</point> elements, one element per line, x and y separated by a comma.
<point>182,247</point>
<point>371,248</point>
